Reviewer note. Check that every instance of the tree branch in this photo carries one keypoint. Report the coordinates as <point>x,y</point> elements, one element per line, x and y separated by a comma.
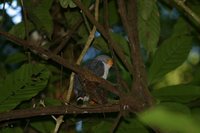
<point>128,14</point>
<point>81,71</point>
<point>84,51</point>
<point>188,10</point>
<point>105,34</point>
<point>58,110</point>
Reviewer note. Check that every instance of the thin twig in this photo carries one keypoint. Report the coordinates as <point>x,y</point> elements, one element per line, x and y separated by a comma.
<point>25,19</point>
<point>86,22</point>
<point>105,34</point>
<point>59,121</point>
<point>116,123</point>
<point>188,10</point>
<point>87,45</point>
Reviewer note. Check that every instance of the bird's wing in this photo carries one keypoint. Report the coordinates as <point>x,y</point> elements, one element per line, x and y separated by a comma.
<point>96,67</point>
<point>83,87</point>
<point>78,86</point>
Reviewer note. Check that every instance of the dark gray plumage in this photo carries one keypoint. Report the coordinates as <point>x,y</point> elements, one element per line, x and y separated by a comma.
<point>84,89</point>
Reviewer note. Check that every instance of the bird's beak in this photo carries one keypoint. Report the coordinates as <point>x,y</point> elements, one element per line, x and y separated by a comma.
<point>110,62</point>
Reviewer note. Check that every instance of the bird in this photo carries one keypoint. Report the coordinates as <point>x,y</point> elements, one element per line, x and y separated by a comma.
<point>89,91</point>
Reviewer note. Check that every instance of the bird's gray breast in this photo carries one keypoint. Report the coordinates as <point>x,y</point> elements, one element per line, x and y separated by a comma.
<point>96,67</point>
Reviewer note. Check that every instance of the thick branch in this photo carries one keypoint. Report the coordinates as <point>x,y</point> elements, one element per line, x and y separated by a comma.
<point>128,15</point>
<point>84,72</point>
<point>105,34</point>
<point>58,110</point>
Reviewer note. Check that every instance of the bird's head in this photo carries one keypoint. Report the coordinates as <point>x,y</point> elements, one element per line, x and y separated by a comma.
<point>105,59</point>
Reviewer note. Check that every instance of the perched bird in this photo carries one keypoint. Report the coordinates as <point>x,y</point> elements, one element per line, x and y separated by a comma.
<point>89,91</point>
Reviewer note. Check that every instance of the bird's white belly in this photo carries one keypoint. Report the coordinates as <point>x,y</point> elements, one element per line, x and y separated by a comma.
<point>106,69</point>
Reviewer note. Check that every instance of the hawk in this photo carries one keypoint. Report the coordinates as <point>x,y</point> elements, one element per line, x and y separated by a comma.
<point>89,91</point>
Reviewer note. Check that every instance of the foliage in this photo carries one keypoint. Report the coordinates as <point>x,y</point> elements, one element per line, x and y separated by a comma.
<point>166,36</point>
<point>22,85</point>
<point>170,121</point>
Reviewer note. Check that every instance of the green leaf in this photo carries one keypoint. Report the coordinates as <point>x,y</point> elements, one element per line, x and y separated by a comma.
<point>3,73</point>
<point>171,54</point>
<point>169,121</point>
<point>181,28</point>
<point>145,8</point>
<point>148,24</point>
<point>43,126</point>
<point>196,113</point>
<point>102,127</point>
<point>113,13</point>
<point>102,45</point>
<point>124,73</point>
<point>11,130</point>
<point>126,126</point>
<point>72,17</point>
<point>40,15</point>
<point>175,107</point>
<point>196,76</point>
<point>130,126</point>
<point>52,102</point>
<point>66,3</point>
<point>122,42</point>
<point>22,85</point>
<point>18,30</point>
<point>16,58</point>
<point>177,93</point>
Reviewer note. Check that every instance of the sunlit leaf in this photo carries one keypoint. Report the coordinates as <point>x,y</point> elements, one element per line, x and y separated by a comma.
<point>175,107</point>
<point>66,3</point>
<point>171,54</point>
<point>177,93</point>
<point>169,121</point>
